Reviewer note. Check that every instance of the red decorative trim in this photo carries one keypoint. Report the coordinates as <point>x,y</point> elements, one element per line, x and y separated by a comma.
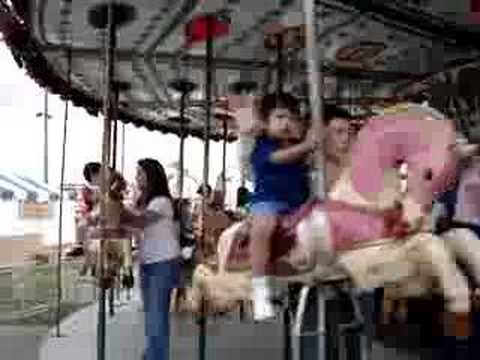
<point>197,29</point>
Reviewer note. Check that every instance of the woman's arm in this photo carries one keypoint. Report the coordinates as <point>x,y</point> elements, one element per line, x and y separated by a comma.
<point>139,220</point>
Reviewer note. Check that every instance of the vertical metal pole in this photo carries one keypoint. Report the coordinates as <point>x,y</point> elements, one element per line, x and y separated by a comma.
<point>280,71</point>
<point>122,166</point>
<point>181,165</point>
<point>202,322</point>
<point>115,129</point>
<point>60,215</point>
<point>129,274</point>
<point>106,142</point>
<point>208,98</point>
<point>322,323</point>
<point>224,157</point>
<point>181,162</point>
<point>287,339</point>
<point>316,90</point>
<point>314,62</point>
<point>113,161</point>
<point>46,116</point>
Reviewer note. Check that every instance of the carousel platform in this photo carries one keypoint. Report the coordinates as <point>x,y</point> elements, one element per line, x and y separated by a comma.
<point>228,338</point>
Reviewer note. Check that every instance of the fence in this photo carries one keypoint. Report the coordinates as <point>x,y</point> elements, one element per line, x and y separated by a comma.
<point>28,292</point>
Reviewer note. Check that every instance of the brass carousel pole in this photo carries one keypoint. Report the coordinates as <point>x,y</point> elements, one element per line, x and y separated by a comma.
<point>108,112</point>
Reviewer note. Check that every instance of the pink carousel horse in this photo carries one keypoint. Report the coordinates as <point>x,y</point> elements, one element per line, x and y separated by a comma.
<point>368,230</point>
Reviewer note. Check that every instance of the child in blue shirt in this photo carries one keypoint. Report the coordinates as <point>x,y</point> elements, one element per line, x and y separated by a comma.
<point>281,185</point>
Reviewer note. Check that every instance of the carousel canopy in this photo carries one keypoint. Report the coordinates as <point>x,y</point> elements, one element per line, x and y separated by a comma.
<point>372,51</point>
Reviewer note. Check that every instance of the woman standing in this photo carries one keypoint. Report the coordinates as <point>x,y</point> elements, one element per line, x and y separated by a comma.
<point>159,254</point>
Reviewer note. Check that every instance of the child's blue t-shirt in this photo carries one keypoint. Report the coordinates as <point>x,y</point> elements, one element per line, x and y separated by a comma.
<point>285,183</point>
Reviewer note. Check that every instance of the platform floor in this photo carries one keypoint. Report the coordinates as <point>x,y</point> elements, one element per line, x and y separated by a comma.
<point>228,339</point>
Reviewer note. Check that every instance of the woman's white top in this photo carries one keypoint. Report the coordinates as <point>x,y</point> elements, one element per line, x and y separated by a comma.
<point>160,238</point>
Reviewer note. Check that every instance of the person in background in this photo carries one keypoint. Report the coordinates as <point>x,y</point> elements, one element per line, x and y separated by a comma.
<point>87,197</point>
<point>341,131</point>
<point>201,194</point>
<point>338,141</point>
<point>159,252</point>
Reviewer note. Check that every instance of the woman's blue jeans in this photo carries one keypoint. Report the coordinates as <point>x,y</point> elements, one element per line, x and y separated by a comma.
<point>157,282</point>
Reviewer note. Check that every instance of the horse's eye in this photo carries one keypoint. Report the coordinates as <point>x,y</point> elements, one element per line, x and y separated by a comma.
<point>429,174</point>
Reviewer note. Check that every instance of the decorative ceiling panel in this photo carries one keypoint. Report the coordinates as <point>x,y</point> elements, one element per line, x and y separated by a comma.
<point>387,45</point>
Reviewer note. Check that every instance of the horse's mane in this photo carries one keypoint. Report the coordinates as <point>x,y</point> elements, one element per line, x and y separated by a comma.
<point>408,107</point>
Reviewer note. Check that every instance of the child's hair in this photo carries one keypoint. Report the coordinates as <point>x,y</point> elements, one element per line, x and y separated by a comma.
<point>278,100</point>
<point>90,170</point>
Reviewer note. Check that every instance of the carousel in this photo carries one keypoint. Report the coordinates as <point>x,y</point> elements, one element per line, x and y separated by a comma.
<point>195,68</point>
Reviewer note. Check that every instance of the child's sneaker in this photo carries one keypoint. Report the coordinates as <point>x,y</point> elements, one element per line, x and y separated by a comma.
<point>263,308</point>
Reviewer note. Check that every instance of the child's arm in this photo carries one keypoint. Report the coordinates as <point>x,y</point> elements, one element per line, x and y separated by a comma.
<point>298,152</point>
<point>293,153</point>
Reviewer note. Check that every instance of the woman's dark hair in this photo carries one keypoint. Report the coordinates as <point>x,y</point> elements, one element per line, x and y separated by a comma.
<point>90,170</point>
<point>278,101</point>
<point>157,182</point>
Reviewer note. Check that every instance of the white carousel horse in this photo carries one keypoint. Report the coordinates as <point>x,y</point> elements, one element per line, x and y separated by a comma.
<point>358,233</point>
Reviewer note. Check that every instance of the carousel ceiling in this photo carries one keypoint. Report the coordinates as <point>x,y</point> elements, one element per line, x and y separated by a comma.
<point>372,51</point>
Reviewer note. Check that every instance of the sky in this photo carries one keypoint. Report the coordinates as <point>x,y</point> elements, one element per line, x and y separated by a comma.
<point>21,136</point>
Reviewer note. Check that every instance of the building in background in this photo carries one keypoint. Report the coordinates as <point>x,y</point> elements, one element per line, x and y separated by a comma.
<point>29,218</point>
